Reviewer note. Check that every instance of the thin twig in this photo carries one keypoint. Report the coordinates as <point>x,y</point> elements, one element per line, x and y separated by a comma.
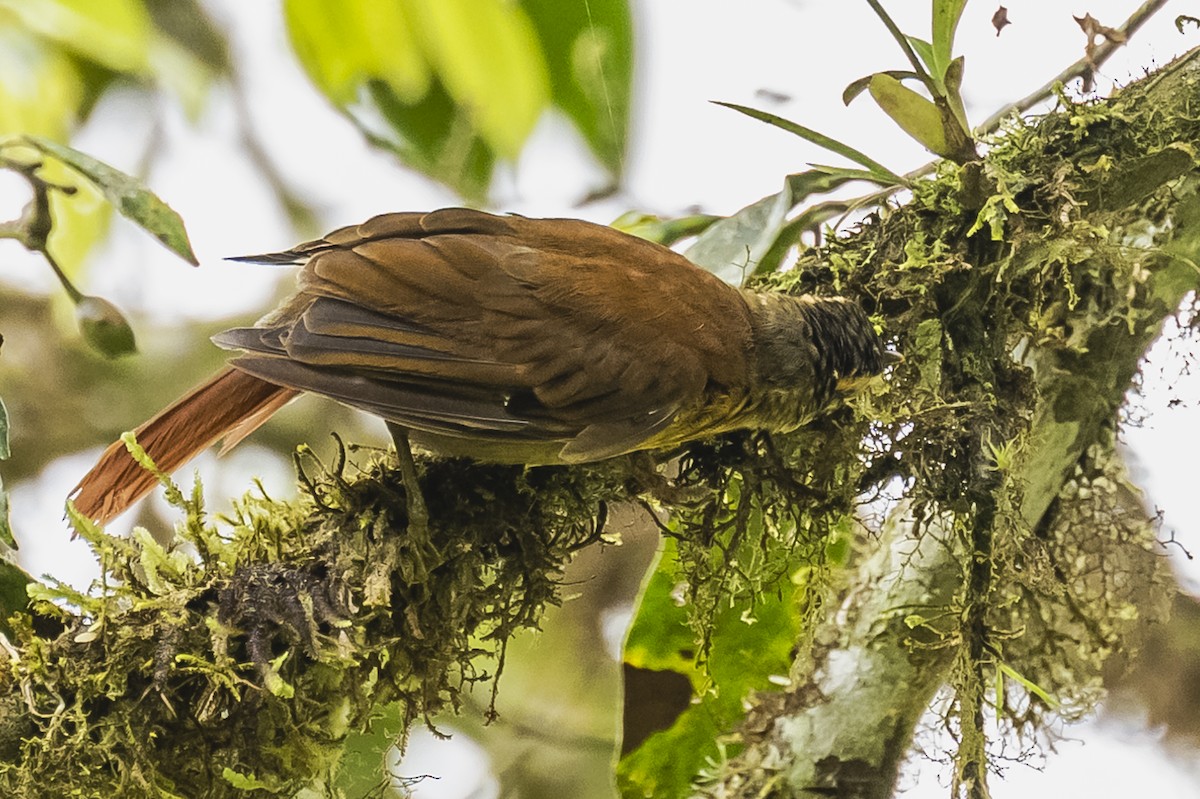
<point>1079,69</point>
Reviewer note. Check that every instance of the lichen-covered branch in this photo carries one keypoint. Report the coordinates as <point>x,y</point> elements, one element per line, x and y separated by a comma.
<point>240,658</point>
<point>1023,291</point>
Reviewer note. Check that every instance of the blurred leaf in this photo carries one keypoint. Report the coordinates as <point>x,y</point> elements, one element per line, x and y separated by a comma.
<point>187,23</point>
<point>433,135</point>
<point>4,448</point>
<point>127,195</point>
<point>663,231</point>
<point>916,115</point>
<point>449,85</point>
<point>6,537</point>
<point>113,33</point>
<point>746,652</point>
<point>946,14</point>
<point>733,248</point>
<point>40,87</point>
<point>882,173</point>
<point>104,327</point>
<point>345,45</point>
<point>44,91</point>
<point>490,61</point>
<point>14,580</point>
<point>361,768</point>
<point>589,50</point>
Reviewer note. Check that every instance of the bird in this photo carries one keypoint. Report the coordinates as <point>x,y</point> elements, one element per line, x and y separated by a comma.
<point>509,339</point>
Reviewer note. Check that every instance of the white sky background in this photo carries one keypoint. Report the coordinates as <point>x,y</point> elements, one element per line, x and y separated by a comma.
<point>685,152</point>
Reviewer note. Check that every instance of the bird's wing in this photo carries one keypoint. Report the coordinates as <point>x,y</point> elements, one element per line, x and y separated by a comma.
<point>463,323</point>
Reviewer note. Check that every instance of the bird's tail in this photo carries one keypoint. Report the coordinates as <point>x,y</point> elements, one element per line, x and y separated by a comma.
<point>230,405</point>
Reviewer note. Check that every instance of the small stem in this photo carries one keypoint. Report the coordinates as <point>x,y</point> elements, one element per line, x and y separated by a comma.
<point>902,40</point>
<point>75,294</point>
<point>33,227</point>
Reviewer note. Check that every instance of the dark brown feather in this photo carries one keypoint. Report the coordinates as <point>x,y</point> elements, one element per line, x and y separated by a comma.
<point>465,324</point>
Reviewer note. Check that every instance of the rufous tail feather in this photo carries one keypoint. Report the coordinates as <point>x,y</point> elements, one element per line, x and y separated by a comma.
<point>230,405</point>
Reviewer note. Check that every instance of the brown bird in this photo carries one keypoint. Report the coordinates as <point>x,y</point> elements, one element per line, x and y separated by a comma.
<point>514,340</point>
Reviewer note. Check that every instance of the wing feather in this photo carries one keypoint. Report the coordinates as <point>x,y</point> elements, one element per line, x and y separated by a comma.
<point>467,324</point>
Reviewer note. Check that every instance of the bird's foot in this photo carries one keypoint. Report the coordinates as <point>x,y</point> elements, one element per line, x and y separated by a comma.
<point>418,513</point>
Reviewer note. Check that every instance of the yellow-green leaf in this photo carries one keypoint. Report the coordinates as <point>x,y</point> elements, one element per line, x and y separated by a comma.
<point>104,327</point>
<point>113,33</point>
<point>40,86</point>
<point>946,14</point>
<point>344,45</point>
<point>916,115</point>
<point>588,48</point>
<point>487,55</point>
<point>244,782</point>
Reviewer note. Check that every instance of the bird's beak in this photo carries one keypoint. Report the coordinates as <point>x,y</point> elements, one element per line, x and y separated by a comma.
<point>891,358</point>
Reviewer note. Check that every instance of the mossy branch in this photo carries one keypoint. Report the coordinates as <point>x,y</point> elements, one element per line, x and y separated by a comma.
<point>1024,310</point>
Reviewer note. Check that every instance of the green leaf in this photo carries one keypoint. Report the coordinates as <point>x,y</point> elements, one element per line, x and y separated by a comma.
<point>448,86</point>
<point>116,34</point>
<point>126,193</point>
<point>433,135</point>
<point>6,536</point>
<point>104,327</point>
<point>245,782</point>
<point>4,450</point>
<point>746,654</point>
<point>924,51</point>
<point>846,174</point>
<point>490,61</point>
<point>663,231</point>
<point>946,14</point>
<point>588,48</point>
<point>953,87</point>
<point>916,115</point>
<point>1028,685</point>
<point>845,150</point>
<point>343,46</point>
<point>859,86</point>
<point>733,248</point>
